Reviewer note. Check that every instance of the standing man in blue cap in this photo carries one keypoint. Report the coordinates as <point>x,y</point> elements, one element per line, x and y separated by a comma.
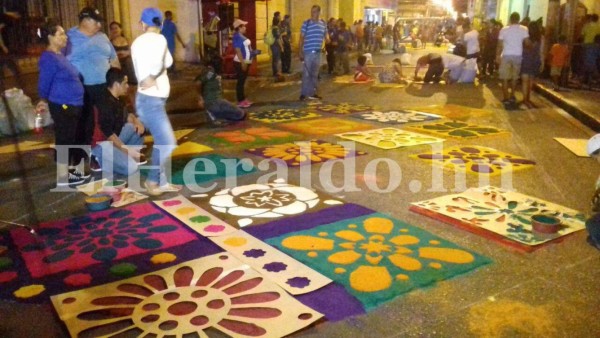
<point>151,58</point>
<point>92,54</point>
<point>170,32</point>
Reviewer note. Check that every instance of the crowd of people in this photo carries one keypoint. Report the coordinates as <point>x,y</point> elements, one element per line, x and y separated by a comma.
<point>84,74</point>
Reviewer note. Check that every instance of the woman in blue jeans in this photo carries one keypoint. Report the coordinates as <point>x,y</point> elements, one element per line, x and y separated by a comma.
<point>151,58</point>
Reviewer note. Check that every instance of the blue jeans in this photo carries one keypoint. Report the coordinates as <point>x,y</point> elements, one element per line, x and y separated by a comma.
<point>225,110</point>
<point>151,112</point>
<point>310,73</point>
<point>115,161</point>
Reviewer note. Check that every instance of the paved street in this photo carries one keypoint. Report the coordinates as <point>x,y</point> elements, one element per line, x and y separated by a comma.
<point>552,292</point>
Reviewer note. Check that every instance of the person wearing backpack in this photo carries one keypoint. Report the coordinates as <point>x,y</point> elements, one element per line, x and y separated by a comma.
<point>276,46</point>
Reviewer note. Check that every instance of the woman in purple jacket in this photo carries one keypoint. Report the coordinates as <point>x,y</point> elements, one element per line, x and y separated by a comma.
<point>61,92</point>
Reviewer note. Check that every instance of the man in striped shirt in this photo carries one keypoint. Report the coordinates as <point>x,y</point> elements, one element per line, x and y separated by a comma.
<point>312,35</point>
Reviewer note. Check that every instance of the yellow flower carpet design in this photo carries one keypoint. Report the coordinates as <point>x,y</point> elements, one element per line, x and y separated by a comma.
<point>305,152</point>
<point>377,257</point>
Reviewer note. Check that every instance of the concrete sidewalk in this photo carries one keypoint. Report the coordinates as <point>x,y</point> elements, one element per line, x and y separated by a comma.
<point>580,103</point>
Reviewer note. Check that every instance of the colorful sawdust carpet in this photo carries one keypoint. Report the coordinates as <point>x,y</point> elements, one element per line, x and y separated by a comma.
<point>249,204</point>
<point>390,138</point>
<point>341,108</point>
<point>305,152</point>
<point>252,136</point>
<point>459,130</point>
<point>94,249</point>
<point>376,257</point>
<point>454,112</point>
<point>325,126</point>
<point>397,116</point>
<point>201,169</point>
<point>501,215</point>
<point>281,115</point>
<point>217,292</point>
<point>476,160</point>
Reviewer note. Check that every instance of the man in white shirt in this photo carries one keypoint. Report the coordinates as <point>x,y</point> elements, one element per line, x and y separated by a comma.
<point>471,41</point>
<point>509,54</point>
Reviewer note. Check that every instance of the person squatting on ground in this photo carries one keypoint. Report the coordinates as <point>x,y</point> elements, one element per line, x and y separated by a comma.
<point>61,92</point>
<point>91,52</point>
<point>437,63</point>
<point>211,100</point>
<point>509,55</point>
<point>435,67</point>
<point>361,71</point>
<point>117,138</point>
<point>312,35</point>
<point>593,223</point>
<point>151,58</point>
<point>559,56</point>
<point>241,60</point>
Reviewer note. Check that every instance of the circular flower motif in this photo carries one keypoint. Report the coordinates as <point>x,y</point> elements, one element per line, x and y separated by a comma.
<point>397,116</point>
<point>306,152</point>
<point>265,201</point>
<point>226,300</point>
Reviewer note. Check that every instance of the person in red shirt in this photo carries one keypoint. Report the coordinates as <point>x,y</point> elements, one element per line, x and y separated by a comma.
<point>559,55</point>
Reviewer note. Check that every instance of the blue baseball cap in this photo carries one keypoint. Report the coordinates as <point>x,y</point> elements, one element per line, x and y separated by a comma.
<point>148,15</point>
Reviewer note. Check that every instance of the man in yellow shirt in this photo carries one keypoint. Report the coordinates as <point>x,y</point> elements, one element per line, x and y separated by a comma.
<point>590,29</point>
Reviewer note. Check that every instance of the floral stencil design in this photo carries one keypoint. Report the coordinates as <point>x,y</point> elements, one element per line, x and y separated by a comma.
<point>252,135</point>
<point>375,256</point>
<point>215,292</point>
<point>305,152</point>
<point>502,212</point>
<point>390,138</point>
<point>397,116</point>
<point>454,112</point>
<point>326,126</point>
<point>460,130</point>
<point>264,201</point>
<point>342,108</point>
<point>98,238</point>
<point>281,115</point>
<point>476,160</point>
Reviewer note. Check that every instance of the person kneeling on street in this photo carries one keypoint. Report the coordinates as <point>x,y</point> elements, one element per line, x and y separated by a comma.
<point>117,137</point>
<point>218,110</point>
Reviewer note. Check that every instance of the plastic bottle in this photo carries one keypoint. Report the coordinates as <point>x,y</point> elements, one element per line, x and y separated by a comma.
<point>39,123</point>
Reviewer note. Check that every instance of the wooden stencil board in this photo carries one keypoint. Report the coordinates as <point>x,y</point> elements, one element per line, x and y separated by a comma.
<point>216,291</point>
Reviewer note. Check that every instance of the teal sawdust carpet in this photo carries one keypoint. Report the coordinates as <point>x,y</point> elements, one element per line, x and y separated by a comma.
<point>376,257</point>
<point>205,168</point>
